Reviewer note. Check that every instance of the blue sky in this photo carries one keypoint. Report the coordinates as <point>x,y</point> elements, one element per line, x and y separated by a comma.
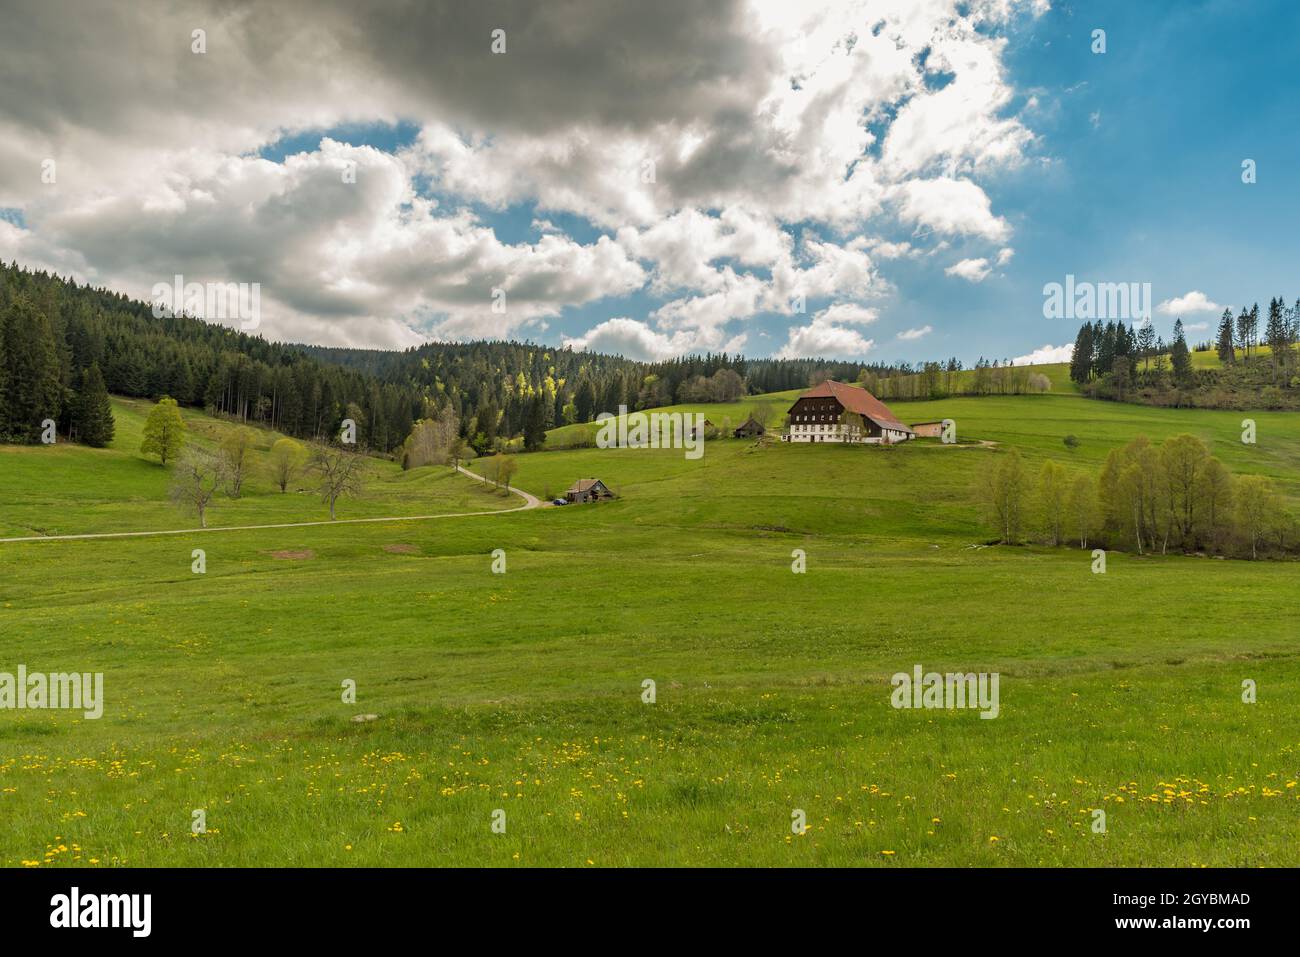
<point>908,166</point>
<point>1153,191</point>
<point>1137,178</point>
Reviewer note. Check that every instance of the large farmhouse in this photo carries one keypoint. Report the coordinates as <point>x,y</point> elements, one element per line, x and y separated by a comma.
<point>836,412</point>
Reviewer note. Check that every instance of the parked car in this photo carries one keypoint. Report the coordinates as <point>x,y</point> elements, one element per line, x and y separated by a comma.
<point>559,501</point>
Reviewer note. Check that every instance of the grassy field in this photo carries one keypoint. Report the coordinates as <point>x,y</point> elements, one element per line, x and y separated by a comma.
<point>66,489</point>
<point>522,691</point>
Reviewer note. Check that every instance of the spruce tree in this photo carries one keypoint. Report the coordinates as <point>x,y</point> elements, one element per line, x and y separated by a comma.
<point>1081,358</point>
<point>32,386</point>
<point>1180,357</point>
<point>92,416</point>
<point>1226,350</point>
<point>535,423</point>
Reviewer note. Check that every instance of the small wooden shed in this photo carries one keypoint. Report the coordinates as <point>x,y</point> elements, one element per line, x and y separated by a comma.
<point>587,490</point>
<point>751,428</point>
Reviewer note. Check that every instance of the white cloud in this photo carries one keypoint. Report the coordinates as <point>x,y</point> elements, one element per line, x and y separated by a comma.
<point>828,335</point>
<point>911,335</point>
<point>953,207</point>
<point>972,270</point>
<point>820,339</point>
<point>1194,301</point>
<point>848,314</point>
<point>631,338</point>
<point>960,125</point>
<point>1045,355</point>
<point>888,250</point>
<point>760,119</point>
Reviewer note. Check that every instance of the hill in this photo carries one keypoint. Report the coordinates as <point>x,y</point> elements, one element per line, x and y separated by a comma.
<point>68,489</point>
<point>524,691</point>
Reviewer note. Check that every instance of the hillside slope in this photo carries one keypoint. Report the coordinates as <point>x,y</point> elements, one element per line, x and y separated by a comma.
<point>71,489</point>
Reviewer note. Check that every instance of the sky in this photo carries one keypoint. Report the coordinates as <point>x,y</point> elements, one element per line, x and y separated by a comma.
<point>890,180</point>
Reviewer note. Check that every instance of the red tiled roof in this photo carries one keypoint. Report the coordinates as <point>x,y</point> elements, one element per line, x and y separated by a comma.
<point>857,400</point>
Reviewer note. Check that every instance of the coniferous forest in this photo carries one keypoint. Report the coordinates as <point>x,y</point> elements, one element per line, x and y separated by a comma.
<point>1258,366</point>
<point>64,347</point>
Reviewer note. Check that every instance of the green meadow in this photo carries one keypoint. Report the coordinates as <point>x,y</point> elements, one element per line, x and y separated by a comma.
<point>523,692</point>
<point>67,489</point>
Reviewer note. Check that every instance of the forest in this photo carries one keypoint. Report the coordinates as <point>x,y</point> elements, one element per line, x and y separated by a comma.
<point>65,346</point>
<point>1256,351</point>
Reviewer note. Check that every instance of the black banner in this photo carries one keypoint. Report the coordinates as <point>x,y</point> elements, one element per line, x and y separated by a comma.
<point>337,906</point>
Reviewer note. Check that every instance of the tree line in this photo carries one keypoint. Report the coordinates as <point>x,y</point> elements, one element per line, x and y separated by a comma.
<point>1147,498</point>
<point>1258,362</point>
<point>64,347</point>
<point>939,380</point>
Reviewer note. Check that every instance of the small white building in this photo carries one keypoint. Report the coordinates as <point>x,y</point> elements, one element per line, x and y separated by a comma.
<point>838,412</point>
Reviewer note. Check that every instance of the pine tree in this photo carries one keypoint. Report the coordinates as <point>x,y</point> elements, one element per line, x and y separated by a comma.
<point>92,416</point>
<point>1227,352</point>
<point>1275,333</point>
<point>32,385</point>
<point>1179,356</point>
<point>585,400</point>
<point>1146,339</point>
<point>535,423</point>
<point>1081,358</point>
<point>1243,333</point>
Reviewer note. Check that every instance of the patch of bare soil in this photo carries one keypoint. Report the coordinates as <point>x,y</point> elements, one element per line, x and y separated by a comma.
<point>294,555</point>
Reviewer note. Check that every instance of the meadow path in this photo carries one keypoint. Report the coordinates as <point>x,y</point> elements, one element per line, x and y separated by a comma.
<point>530,501</point>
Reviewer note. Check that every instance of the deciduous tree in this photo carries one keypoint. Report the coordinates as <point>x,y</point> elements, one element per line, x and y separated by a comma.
<point>1052,495</point>
<point>195,480</point>
<point>339,471</point>
<point>285,461</point>
<point>235,449</point>
<point>1004,495</point>
<point>164,430</point>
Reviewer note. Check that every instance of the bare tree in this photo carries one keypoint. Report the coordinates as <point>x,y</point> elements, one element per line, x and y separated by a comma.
<point>506,470</point>
<point>197,477</point>
<point>1257,507</point>
<point>1003,490</point>
<point>339,472</point>
<point>286,459</point>
<point>430,441</point>
<point>1052,505</point>
<point>457,450</point>
<point>1083,507</point>
<point>234,455</point>
<point>853,427</point>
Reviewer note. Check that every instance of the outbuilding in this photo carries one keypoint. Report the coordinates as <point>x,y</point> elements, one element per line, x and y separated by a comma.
<point>587,490</point>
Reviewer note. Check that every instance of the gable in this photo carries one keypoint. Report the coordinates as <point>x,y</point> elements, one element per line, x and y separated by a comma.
<point>850,398</point>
